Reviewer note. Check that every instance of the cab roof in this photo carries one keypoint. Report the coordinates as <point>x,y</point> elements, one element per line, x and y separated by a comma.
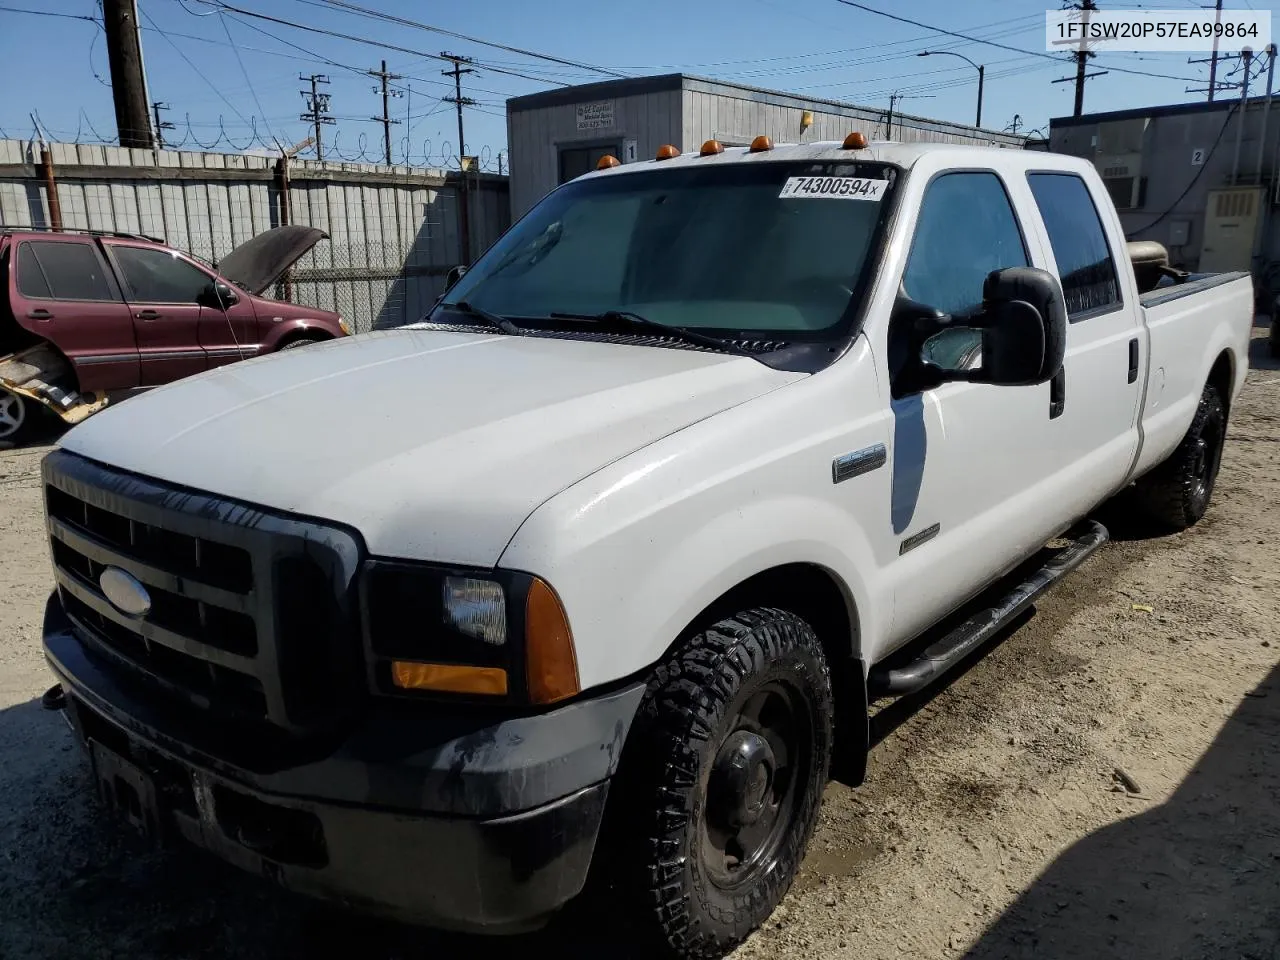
<point>900,154</point>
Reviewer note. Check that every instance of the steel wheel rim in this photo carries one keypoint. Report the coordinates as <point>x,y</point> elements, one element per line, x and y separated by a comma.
<point>13,414</point>
<point>756,785</point>
<point>1204,466</point>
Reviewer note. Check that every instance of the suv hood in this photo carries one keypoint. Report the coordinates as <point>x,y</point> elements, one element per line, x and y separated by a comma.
<point>433,445</point>
<point>258,263</point>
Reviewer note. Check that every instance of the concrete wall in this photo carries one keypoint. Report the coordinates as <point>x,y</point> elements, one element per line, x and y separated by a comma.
<point>393,230</point>
<point>685,111</point>
<point>1177,188</point>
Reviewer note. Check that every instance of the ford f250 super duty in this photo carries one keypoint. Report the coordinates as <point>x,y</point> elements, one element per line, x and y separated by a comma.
<point>702,456</point>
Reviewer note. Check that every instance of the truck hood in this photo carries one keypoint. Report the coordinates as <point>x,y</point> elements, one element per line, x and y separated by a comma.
<point>262,260</point>
<point>434,445</point>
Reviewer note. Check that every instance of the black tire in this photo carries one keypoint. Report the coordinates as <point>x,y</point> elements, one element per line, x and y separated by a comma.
<point>301,342</point>
<point>19,418</point>
<point>727,760</point>
<point>1176,494</point>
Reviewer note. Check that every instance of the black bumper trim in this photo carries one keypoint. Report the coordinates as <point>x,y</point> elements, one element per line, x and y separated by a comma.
<point>499,875</point>
<point>416,758</point>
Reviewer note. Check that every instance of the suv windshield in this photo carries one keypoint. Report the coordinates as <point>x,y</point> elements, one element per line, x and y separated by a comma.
<point>765,248</point>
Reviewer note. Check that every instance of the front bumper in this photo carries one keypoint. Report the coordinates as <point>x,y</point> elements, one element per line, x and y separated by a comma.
<point>489,832</point>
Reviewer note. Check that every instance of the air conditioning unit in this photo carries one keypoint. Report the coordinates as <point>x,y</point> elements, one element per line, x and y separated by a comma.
<point>1122,176</point>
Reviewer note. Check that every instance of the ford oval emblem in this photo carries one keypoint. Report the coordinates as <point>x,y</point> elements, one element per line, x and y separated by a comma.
<point>125,592</point>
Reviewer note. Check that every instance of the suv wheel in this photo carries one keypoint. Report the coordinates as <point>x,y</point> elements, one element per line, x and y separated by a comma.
<point>722,779</point>
<point>16,417</point>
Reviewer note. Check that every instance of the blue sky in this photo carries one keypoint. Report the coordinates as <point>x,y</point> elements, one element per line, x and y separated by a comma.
<point>225,78</point>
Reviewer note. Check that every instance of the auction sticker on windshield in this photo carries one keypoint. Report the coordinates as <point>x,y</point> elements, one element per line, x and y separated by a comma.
<point>833,188</point>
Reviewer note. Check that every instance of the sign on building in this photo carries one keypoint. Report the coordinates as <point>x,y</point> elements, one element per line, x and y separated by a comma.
<point>1197,157</point>
<point>595,116</point>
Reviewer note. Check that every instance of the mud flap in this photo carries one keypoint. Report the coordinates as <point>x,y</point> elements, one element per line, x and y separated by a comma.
<point>42,374</point>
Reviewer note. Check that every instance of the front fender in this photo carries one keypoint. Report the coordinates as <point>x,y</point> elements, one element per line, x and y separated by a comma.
<point>639,549</point>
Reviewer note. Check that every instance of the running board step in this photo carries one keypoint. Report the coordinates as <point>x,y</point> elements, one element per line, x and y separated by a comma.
<point>954,646</point>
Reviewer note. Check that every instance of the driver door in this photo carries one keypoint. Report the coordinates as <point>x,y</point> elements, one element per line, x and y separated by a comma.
<point>969,460</point>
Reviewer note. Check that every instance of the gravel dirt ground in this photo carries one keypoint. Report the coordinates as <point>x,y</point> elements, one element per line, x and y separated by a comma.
<point>994,823</point>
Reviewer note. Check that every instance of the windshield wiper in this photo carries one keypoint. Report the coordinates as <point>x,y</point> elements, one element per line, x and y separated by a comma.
<point>493,319</point>
<point>644,323</point>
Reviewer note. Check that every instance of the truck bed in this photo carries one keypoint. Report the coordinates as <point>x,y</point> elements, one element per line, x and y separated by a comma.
<point>1197,282</point>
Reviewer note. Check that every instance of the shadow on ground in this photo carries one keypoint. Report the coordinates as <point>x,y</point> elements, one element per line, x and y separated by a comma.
<point>1197,877</point>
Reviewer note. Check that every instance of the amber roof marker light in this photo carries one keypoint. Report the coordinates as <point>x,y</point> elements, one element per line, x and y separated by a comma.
<point>607,161</point>
<point>667,152</point>
<point>760,144</point>
<point>711,148</point>
<point>855,141</point>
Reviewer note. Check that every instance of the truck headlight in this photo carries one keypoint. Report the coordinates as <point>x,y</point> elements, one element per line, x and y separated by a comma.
<point>477,608</point>
<point>491,634</point>
<point>344,326</point>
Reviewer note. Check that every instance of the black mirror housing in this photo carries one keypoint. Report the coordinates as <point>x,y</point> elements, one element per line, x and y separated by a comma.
<point>218,296</point>
<point>453,276</point>
<point>1024,324</point>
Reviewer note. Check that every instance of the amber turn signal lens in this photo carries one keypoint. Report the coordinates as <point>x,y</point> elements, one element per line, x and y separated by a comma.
<point>855,141</point>
<point>761,144</point>
<point>668,152</point>
<point>607,161</point>
<point>710,148</point>
<point>552,668</point>
<point>448,678</point>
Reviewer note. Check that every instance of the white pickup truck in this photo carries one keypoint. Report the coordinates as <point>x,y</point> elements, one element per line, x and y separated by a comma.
<point>591,575</point>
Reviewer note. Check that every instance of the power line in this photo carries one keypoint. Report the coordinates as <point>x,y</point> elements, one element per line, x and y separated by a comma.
<point>254,93</point>
<point>993,43</point>
<point>418,25</point>
<point>51,13</point>
<point>195,69</point>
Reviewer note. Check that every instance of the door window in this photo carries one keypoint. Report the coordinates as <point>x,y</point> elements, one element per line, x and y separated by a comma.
<point>159,276</point>
<point>1085,265</point>
<point>966,229</point>
<point>62,271</point>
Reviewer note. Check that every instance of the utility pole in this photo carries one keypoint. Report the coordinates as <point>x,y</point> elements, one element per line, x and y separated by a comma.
<point>1082,57</point>
<point>317,107</point>
<point>387,94</point>
<point>128,85</point>
<point>1213,61</point>
<point>464,194</point>
<point>161,125</point>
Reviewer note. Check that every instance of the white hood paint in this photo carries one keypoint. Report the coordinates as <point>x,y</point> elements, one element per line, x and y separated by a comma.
<point>434,445</point>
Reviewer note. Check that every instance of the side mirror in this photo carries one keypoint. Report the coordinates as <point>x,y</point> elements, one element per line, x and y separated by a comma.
<point>1024,327</point>
<point>453,276</point>
<point>218,296</point>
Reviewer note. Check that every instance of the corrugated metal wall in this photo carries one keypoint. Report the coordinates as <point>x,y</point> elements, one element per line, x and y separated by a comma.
<point>393,230</point>
<point>535,137</point>
<point>685,111</point>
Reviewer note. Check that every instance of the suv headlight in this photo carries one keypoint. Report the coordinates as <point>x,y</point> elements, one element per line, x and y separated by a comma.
<point>490,634</point>
<point>344,326</point>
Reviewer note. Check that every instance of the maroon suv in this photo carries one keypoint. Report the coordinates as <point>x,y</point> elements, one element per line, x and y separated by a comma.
<point>91,317</point>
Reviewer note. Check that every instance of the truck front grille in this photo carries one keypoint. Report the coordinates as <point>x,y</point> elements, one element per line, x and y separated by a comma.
<point>251,612</point>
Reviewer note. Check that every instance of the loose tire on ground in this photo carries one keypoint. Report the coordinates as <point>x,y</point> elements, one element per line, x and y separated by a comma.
<point>1176,494</point>
<point>721,781</point>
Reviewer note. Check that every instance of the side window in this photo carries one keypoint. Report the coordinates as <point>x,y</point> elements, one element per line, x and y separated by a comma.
<point>966,229</point>
<point>159,276</point>
<point>1085,264</point>
<point>62,271</point>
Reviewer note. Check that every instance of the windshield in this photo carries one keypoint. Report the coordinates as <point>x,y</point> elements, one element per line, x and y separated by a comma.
<point>710,248</point>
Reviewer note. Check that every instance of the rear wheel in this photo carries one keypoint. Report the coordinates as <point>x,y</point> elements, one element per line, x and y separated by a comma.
<point>1176,494</point>
<point>722,780</point>
<point>17,417</point>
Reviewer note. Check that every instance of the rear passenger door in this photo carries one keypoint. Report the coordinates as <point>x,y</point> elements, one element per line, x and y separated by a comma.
<point>163,291</point>
<point>1100,388</point>
<point>62,290</point>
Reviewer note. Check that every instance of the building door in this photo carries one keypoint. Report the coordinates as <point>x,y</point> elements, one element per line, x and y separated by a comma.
<point>575,161</point>
<point>1230,228</point>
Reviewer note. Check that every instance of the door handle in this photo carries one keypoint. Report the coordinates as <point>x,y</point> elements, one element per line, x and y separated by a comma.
<point>147,315</point>
<point>1133,359</point>
<point>39,315</point>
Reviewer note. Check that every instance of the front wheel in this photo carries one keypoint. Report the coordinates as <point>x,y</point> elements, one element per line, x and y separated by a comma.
<point>1176,494</point>
<point>722,780</point>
